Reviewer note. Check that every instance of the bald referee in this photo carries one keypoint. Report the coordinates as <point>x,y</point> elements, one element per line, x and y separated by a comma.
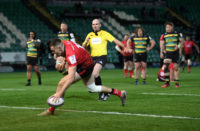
<point>97,40</point>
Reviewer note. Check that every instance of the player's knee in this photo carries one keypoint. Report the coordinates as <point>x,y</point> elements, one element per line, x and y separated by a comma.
<point>137,67</point>
<point>176,68</point>
<point>189,62</point>
<point>29,69</point>
<point>166,61</point>
<point>94,88</point>
<point>130,68</point>
<point>96,75</point>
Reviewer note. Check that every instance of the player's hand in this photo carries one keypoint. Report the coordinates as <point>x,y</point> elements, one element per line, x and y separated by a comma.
<point>176,48</point>
<point>54,56</point>
<point>88,40</point>
<point>148,48</point>
<point>60,63</point>
<point>56,97</point>
<point>161,55</point>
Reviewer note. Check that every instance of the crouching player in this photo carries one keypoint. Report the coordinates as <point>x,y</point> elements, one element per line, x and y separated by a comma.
<point>161,73</point>
<point>79,61</point>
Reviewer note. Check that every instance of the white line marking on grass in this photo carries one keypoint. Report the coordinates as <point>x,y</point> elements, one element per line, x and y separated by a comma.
<point>12,89</point>
<point>102,112</point>
<point>168,94</point>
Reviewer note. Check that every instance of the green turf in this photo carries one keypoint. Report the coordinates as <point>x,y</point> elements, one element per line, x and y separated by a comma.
<point>77,98</point>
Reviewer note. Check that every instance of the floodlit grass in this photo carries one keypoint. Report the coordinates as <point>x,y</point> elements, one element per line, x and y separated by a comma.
<point>77,98</point>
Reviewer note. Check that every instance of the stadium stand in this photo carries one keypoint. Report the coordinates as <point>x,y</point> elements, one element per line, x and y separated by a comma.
<point>115,19</point>
<point>19,21</point>
<point>112,25</point>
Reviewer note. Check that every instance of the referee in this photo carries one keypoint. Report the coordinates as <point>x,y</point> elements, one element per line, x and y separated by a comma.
<point>97,40</point>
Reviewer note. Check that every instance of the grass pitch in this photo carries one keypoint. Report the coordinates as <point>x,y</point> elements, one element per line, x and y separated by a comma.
<point>148,107</point>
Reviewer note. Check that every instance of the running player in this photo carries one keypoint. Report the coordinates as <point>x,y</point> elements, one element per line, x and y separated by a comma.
<point>189,44</point>
<point>79,61</point>
<point>32,46</point>
<point>141,42</point>
<point>97,40</point>
<point>127,57</point>
<point>170,42</point>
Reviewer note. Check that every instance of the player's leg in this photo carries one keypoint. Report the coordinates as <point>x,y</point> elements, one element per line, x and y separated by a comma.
<point>89,82</point>
<point>183,62</point>
<point>137,71</point>
<point>130,66</point>
<point>96,71</point>
<point>176,74</point>
<point>29,69</point>
<point>189,61</point>
<point>38,74</point>
<point>51,110</point>
<point>144,66</point>
<point>125,68</point>
<point>171,71</point>
<point>166,62</point>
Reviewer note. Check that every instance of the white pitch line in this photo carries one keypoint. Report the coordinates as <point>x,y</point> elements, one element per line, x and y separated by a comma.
<point>168,94</point>
<point>102,112</point>
<point>12,89</point>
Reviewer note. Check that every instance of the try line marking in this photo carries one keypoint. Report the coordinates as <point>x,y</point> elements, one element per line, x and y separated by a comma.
<point>168,94</point>
<point>107,113</point>
<point>11,89</point>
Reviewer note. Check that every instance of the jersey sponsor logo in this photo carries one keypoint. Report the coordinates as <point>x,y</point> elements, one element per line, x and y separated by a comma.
<point>72,59</point>
<point>188,46</point>
<point>96,40</point>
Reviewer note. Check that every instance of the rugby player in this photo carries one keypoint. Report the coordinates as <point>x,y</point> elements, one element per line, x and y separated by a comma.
<point>188,45</point>
<point>161,73</point>
<point>141,46</point>
<point>127,57</point>
<point>79,61</point>
<point>97,41</point>
<point>170,42</point>
<point>32,46</point>
<point>64,34</point>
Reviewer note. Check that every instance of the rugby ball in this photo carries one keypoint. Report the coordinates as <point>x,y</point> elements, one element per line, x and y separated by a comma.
<point>51,101</point>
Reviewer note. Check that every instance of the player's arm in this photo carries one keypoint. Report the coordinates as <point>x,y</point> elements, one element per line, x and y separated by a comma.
<point>86,42</point>
<point>180,46</point>
<point>118,49</point>
<point>119,43</point>
<point>152,44</point>
<point>60,63</point>
<point>72,37</point>
<point>65,82</point>
<point>197,48</point>
<point>128,43</point>
<point>162,46</point>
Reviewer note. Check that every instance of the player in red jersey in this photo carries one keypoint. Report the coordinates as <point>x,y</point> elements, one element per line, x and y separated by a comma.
<point>80,66</point>
<point>127,57</point>
<point>161,73</point>
<point>188,45</point>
